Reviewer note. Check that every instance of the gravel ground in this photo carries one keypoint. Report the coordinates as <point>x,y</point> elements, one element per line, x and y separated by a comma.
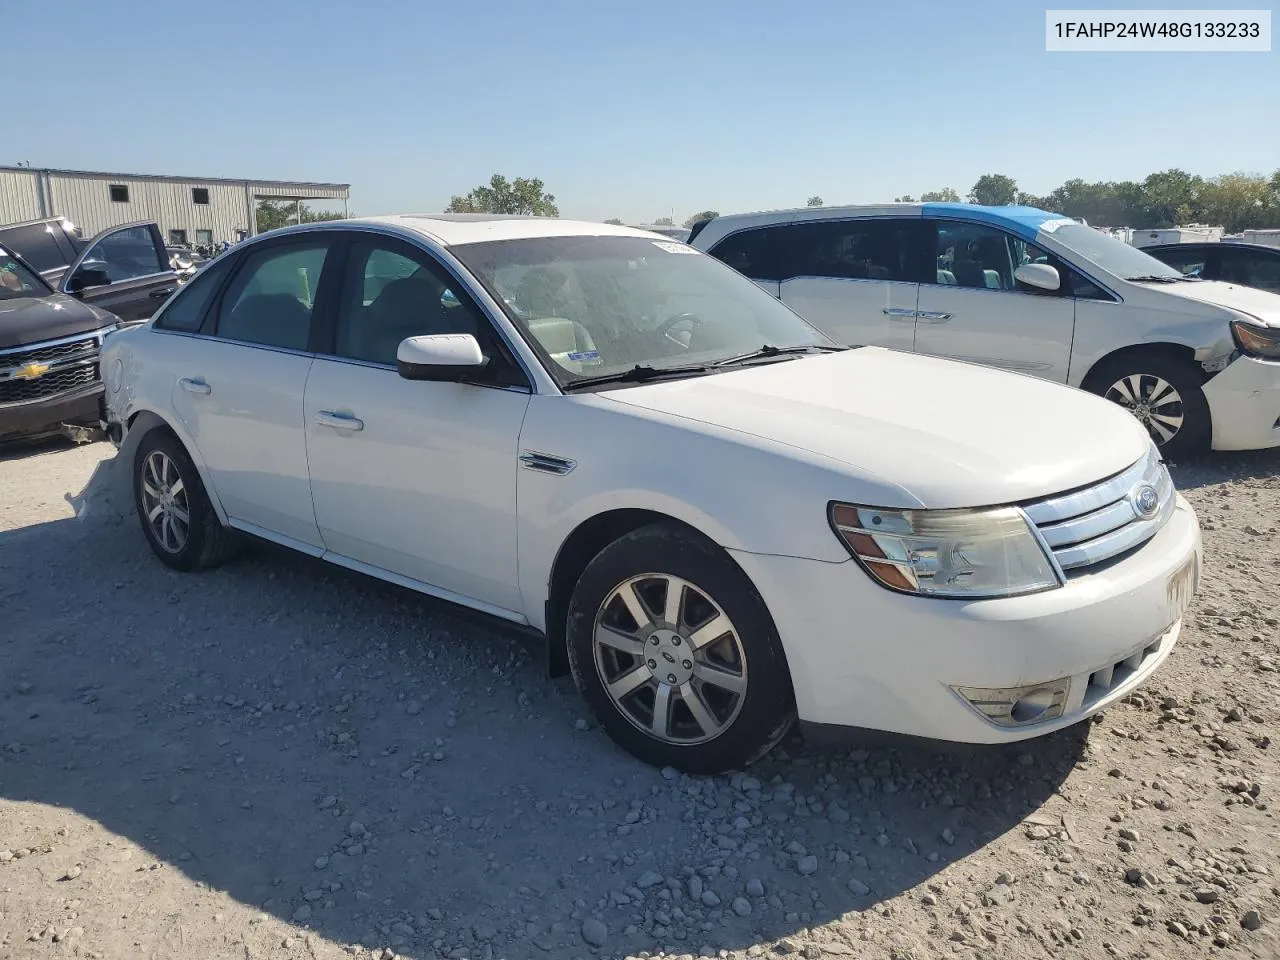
<point>281,759</point>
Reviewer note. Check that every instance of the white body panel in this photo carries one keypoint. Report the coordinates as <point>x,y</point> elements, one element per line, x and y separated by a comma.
<point>856,312</point>
<point>431,492</point>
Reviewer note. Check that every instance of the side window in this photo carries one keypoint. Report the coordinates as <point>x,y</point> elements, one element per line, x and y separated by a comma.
<point>1190,263</point>
<point>760,254</point>
<point>270,298</point>
<point>126,254</point>
<point>186,311</point>
<point>391,292</point>
<point>1251,269</point>
<point>37,244</point>
<point>979,257</point>
<point>853,249</point>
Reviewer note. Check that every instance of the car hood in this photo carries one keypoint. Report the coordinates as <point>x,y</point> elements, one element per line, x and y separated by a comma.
<point>949,434</point>
<point>1257,303</point>
<point>33,319</point>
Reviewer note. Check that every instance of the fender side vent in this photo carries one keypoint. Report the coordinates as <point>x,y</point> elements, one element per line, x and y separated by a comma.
<point>546,463</point>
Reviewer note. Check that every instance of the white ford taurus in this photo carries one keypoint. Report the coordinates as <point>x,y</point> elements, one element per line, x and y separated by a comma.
<point>719,519</point>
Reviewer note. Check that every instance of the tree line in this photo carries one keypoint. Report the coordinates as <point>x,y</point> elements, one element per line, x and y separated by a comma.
<point>1236,201</point>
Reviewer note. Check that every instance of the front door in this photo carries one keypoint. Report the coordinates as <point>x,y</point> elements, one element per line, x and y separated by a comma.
<point>240,391</point>
<point>974,310</point>
<point>855,280</point>
<point>124,271</point>
<point>412,477</point>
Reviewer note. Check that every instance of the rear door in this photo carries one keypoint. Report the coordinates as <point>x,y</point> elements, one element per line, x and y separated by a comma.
<point>133,263</point>
<point>856,280</point>
<point>970,307</point>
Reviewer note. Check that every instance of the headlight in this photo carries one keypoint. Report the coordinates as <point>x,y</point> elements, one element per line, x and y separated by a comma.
<point>965,554</point>
<point>1255,340</point>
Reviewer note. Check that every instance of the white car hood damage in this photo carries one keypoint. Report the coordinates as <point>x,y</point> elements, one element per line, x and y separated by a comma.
<point>950,434</point>
<point>1256,303</point>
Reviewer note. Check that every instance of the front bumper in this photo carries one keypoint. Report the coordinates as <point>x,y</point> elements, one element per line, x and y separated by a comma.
<point>35,418</point>
<point>861,656</point>
<point>1244,403</point>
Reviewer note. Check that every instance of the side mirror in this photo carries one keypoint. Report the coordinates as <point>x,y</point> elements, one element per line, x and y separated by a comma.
<point>87,277</point>
<point>1038,275</point>
<point>448,357</point>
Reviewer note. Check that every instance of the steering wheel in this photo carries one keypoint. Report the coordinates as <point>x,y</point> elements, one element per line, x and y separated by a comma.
<point>664,328</point>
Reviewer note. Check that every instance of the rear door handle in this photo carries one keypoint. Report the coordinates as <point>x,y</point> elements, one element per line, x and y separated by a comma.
<point>195,385</point>
<point>899,313</point>
<point>934,316</point>
<point>162,294</point>
<point>339,421</point>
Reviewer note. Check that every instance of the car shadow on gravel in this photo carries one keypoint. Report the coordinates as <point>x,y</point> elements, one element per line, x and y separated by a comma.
<point>361,761</point>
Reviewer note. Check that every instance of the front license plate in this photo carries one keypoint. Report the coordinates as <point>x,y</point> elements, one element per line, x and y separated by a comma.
<point>1182,587</point>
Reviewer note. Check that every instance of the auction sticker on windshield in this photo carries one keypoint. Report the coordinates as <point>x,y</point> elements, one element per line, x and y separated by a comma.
<point>671,247</point>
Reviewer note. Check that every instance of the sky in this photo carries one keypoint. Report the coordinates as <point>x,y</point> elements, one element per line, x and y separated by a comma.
<point>630,110</point>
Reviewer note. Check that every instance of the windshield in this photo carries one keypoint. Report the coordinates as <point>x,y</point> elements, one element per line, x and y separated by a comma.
<point>595,306</point>
<point>1112,255</point>
<point>17,281</point>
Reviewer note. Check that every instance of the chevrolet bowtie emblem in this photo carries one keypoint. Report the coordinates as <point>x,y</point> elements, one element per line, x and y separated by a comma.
<point>32,371</point>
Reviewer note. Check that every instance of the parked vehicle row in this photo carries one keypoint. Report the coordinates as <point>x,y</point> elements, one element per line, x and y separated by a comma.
<point>719,518</point>
<point>59,296</point>
<point>1198,362</point>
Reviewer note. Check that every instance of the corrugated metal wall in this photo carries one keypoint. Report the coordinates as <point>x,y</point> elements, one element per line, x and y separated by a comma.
<point>87,201</point>
<point>19,196</point>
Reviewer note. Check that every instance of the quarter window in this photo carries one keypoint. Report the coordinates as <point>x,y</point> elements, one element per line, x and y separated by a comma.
<point>126,254</point>
<point>760,254</point>
<point>186,311</point>
<point>393,293</point>
<point>271,298</point>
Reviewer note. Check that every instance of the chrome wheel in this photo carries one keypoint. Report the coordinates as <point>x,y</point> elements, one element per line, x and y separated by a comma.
<point>1153,400</point>
<point>670,659</point>
<point>164,502</point>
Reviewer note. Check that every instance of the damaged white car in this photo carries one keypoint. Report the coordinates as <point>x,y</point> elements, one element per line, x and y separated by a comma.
<point>719,520</point>
<point>1197,362</point>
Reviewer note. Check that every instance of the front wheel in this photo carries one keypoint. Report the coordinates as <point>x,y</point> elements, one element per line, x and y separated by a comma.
<point>677,654</point>
<point>1165,395</point>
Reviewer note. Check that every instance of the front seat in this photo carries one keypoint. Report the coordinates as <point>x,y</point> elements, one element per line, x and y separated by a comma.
<point>409,307</point>
<point>271,319</point>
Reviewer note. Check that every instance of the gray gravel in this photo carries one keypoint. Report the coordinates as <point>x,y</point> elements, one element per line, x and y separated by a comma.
<point>281,759</point>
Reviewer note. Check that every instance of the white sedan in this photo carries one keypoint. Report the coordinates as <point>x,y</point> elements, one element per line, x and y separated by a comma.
<point>719,519</point>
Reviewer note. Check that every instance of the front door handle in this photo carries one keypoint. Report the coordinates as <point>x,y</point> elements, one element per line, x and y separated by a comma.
<point>339,421</point>
<point>195,385</point>
<point>162,294</point>
<point>899,313</point>
<point>934,316</point>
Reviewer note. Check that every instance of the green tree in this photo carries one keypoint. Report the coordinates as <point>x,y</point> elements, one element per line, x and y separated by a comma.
<point>1238,202</point>
<point>521,196</point>
<point>994,190</point>
<point>945,195</point>
<point>664,222</point>
<point>814,201</point>
<point>615,221</point>
<point>273,214</point>
<point>1172,197</point>
<point>704,215</point>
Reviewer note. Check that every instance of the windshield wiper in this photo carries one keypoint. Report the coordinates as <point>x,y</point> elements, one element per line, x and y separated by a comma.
<point>1154,278</point>
<point>768,350</point>
<point>640,373</point>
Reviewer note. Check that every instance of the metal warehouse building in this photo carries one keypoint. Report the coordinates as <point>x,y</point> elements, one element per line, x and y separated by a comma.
<point>188,209</point>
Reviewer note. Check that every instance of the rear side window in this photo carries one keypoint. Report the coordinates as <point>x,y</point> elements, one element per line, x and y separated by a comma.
<point>186,311</point>
<point>270,299</point>
<point>760,254</point>
<point>877,249</point>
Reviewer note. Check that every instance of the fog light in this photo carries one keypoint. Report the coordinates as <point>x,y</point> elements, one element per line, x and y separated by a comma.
<point>1018,706</point>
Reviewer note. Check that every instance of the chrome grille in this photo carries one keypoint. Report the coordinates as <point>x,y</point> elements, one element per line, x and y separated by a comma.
<point>70,363</point>
<point>1089,526</point>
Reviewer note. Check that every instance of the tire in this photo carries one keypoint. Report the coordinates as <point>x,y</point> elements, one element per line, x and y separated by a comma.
<point>726,704</point>
<point>160,465</point>
<point>1132,378</point>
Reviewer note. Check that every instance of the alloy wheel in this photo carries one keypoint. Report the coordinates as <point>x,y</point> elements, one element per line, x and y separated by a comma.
<point>670,659</point>
<point>1153,400</point>
<point>164,502</point>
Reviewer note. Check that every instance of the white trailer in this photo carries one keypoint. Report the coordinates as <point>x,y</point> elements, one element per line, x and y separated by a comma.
<point>1193,233</point>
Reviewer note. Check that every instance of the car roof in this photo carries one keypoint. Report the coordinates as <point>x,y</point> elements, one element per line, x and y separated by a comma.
<point>449,229</point>
<point>1023,221</point>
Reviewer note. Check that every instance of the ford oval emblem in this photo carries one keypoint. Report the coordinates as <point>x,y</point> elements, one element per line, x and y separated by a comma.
<point>1145,501</point>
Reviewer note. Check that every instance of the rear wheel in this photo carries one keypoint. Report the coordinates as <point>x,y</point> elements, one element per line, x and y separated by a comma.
<point>1164,393</point>
<point>173,508</point>
<point>677,654</point>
